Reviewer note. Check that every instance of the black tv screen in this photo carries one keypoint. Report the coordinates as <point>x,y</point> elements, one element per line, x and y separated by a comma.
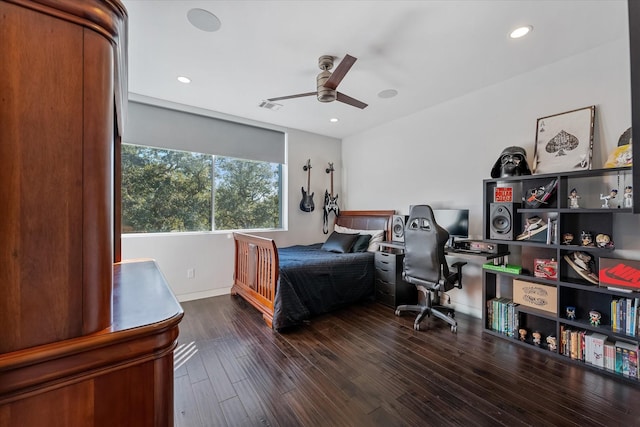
<point>455,221</point>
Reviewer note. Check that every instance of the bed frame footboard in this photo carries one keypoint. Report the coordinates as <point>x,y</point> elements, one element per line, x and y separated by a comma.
<point>255,275</point>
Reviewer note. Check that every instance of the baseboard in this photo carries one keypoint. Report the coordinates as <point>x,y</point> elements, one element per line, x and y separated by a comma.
<point>466,309</point>
<point>203,294</point>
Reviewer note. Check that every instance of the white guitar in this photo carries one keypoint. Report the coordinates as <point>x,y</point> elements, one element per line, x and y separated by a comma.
<point>330,202</point>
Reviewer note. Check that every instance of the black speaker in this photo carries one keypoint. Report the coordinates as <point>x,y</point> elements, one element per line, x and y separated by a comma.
<point>397,228</point>
<point>502,221</point>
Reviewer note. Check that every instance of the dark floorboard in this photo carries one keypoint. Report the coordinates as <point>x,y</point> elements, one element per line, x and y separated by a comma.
<point>363,366</point>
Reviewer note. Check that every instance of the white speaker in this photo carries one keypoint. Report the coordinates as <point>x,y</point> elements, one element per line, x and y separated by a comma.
<point>397,228</point>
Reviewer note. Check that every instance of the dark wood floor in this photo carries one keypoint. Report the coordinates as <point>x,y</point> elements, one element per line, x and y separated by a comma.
<point>362,366</point>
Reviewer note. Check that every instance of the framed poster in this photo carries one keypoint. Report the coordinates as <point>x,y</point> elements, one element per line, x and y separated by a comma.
<point>564,141</point>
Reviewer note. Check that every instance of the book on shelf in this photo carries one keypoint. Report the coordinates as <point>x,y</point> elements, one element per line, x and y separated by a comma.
<point>575,347</point>
<point>627,359</point>
<point>594,349</point>
<point>501,316</point>
<point>609,356</point>
<point>624,316</point>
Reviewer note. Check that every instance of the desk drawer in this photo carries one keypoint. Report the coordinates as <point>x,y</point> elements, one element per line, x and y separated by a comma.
<point>386,260</point>
<point>385,287</point>
<point>386,273</point>
<point>386,293</point>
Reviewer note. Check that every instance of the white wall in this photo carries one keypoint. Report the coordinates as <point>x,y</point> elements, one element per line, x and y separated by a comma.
<point>441,155</point>
<point>212,254</point>
<point>438,156</point>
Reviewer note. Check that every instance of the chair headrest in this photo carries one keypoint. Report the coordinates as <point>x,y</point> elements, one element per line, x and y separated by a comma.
<point>421,218</point>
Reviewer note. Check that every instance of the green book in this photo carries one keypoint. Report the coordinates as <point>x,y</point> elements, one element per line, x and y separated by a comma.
<point>508,268</point>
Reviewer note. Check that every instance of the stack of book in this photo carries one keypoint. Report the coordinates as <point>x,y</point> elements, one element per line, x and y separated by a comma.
<point>627,359</point>
<point>501,316</point>
<point>624,316</point>
<point>594,348</point>
<point>572,343</point>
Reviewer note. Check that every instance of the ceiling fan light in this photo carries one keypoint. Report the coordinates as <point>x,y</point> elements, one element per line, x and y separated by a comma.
<point>325,94</point>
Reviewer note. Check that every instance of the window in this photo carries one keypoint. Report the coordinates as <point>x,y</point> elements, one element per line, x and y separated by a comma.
<point>166,190</point>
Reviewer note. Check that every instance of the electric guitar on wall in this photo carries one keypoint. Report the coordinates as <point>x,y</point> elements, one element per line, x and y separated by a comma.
<point>306,204</point>
<point>330,202</point>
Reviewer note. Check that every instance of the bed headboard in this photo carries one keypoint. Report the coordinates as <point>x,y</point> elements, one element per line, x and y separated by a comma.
<point>367,220</point>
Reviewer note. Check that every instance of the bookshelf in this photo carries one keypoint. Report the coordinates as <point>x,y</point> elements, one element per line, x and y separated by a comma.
<point>528,308</point>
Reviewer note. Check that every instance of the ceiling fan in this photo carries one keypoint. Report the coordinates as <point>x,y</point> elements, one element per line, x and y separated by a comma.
<point>328,82</point>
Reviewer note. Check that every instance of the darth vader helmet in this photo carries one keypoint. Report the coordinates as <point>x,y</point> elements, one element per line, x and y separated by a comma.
<point>512,162</point>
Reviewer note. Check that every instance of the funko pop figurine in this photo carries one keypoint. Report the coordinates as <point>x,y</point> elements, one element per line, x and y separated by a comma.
<point>586,239</point>
<point>551,343</point>
<point>571,313</point>
<point>537,338</point>
<point>567,238</point>
<point>594,318</point>
<point>523,334</point>
<point>603,241</point>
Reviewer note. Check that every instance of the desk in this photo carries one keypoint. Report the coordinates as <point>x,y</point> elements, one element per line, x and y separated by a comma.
<point>399,248</point>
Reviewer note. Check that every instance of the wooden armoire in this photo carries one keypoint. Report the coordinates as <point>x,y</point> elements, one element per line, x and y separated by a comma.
<point>85,339</point>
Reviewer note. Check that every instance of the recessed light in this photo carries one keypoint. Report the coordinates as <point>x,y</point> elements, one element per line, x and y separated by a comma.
<point>521,32</point>
<point>204,20</point>
<point>184,79</point>
<point>388,93</point>
<point>333,120</point>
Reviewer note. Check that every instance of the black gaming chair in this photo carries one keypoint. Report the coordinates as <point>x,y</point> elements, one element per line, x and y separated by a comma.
<point>425,266</point>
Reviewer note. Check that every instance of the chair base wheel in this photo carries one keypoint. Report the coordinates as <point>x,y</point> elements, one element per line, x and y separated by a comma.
<point>454,329</point>
<point>416,326</point>
<point>397,312</point>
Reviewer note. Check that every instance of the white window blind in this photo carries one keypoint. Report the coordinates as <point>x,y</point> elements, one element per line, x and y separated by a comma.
<point>168,128</point>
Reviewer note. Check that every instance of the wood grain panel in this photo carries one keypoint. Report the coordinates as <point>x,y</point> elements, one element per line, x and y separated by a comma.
<point>42,140</point>
<point>54,409</point>
<point>97,182</point>
<point>127,369</point>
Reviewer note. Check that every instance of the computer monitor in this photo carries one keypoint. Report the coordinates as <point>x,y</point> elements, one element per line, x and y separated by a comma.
<point>455,221</point>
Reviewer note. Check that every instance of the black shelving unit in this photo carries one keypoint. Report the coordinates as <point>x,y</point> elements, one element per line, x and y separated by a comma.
<point>570,288</point>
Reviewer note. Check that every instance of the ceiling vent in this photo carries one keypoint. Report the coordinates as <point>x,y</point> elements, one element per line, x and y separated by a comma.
<point>269,105</point>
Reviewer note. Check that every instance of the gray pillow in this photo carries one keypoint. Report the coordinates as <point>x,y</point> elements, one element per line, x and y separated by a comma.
<point>362,243</point>
<point>338,242</point>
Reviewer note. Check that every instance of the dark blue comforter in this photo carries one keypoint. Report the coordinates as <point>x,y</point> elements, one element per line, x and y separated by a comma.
<point>313,281</point>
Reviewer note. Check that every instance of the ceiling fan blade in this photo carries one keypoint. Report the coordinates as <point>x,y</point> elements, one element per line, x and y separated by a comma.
<point>340,71</point>
<point>349,100</point>
<point>299,95</point>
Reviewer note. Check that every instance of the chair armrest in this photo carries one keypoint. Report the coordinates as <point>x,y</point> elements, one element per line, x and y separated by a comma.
<point>458,266</point>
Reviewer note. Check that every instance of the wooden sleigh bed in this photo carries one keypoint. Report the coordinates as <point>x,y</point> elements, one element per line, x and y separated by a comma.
<point>257,271</point>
